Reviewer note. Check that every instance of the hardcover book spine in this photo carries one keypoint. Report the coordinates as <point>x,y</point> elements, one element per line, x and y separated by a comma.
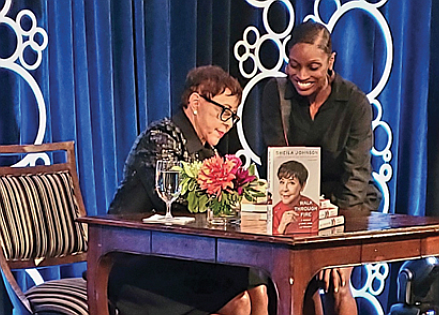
<point>269,217</point>
<point>328,212</point>
<point>329,222</point>
<point>332,230</point>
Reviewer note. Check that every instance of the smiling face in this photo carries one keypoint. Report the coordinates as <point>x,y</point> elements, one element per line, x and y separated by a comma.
<point>289,190</point>
<point>308,68</point>
<point>207,122</point>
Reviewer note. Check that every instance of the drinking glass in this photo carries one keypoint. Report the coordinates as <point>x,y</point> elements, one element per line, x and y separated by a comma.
<point>167,183</point>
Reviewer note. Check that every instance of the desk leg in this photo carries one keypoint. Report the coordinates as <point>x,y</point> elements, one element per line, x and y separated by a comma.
<point>298,289</point>
<point>305,264</point>
<point>291,284</point>
<point>280,275</point>
<point>301,274</point>
<point>99,267</point>
<point>290,273</point>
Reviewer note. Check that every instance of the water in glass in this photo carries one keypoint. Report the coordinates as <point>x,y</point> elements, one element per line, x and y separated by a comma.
<point>168,184</point>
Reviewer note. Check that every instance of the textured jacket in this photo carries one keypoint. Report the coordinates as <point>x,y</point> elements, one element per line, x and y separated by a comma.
<point>170,139</point>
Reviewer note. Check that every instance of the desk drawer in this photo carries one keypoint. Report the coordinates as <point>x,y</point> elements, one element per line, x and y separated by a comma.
<point>391,251</point>
<point>245,253</point>
<point>185,246</point>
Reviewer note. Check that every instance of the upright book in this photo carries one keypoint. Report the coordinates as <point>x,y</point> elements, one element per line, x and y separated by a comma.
<point>294,184</point>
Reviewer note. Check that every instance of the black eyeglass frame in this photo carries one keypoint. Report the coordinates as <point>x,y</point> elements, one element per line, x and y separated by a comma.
<point>235,118</point>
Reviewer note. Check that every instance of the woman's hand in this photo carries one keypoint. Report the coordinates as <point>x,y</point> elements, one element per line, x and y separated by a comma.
<point>335,281</point>
<point>333,278</point>
<point>287,218</point>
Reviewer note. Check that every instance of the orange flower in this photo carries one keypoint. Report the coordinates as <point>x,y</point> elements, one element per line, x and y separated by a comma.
<point>216,175</point>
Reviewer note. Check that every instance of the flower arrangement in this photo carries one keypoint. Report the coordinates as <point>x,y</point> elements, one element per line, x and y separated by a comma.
<point>218,184</point>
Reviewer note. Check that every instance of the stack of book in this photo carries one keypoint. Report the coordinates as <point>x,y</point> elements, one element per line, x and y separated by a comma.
<point>329,221</point>
<point>324,220</point>
<point>256,209</point>
<point>328,215</point>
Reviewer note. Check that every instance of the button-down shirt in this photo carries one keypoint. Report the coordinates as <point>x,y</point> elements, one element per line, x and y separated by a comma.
<point>342,128</point>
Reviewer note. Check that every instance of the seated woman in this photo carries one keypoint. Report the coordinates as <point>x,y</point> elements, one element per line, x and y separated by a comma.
<point>156,285</point>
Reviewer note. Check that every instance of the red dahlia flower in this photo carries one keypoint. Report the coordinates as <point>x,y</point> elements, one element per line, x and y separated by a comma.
<point>216,175</point>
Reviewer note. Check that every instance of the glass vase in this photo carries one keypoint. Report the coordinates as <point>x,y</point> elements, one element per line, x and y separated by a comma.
<point>228,216</point>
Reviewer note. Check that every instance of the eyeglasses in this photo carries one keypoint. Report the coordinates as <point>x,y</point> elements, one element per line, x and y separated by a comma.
<point>226,113</point>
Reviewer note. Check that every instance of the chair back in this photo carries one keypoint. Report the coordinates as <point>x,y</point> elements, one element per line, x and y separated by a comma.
<point>39,206</point>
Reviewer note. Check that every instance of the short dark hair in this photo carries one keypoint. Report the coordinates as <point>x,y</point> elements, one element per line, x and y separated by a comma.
<point>293,169</point>
<point>311,32</point>
<point>209,81</point>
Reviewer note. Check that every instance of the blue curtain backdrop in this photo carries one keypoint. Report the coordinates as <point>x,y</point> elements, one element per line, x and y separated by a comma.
<point>113,66</point>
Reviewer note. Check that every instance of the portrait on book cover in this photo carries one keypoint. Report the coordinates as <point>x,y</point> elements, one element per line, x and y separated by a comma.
<point>294,212</point>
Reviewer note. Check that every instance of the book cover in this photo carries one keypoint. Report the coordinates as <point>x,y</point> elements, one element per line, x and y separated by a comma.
<point>294,185</point>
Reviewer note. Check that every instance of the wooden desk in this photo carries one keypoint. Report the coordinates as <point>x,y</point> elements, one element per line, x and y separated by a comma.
<point>291,262</point>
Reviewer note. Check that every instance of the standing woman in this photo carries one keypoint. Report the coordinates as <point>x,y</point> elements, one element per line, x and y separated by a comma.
<point>144,285</point>
<point>314,106</point>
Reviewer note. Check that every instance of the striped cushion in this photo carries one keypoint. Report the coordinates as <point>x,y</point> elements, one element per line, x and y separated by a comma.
<point>66,296</point>
<point>37,217</point>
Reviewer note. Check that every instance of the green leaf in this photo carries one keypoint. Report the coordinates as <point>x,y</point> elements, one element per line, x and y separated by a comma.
<point>192,185</point>
<point>184,186</point>
<point>215,206</point>
<point>192,202</point>
<point>224,197</point>
<point>258,194</point>
<point>176,168</point>
<point>188,170</point>
<point>251,169</point>
<point>234,198</point>
<point>248,197</point>
<point>203,203</point>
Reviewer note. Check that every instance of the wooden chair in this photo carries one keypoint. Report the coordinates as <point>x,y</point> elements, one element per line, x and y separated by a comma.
<point>38,210</point>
